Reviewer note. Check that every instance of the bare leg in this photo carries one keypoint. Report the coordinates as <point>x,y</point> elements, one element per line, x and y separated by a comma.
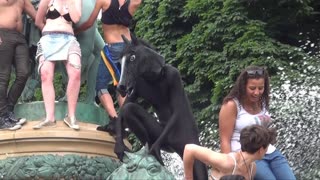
<point>48,93</point>
<point>73,67</point>
<point>73,88</point>
<point>121,100</point>
<point>107,102</point>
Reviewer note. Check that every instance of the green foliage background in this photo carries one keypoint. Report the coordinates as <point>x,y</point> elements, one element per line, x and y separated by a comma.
<point>210,41</point>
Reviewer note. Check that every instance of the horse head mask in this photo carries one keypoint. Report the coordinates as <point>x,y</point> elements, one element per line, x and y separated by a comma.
<point>139,60</point>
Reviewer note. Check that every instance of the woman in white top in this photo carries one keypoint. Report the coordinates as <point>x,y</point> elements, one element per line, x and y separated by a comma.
<point>254,141</point>
<point>245,105</point>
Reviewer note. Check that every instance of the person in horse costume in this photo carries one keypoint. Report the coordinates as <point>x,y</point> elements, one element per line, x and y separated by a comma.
<point>145,75</point>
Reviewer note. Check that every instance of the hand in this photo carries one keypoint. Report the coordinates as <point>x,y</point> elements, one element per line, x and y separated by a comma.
<point>264,120</point>
<point>155,151</point>
<point>119,150</point>
<point>111,127</point>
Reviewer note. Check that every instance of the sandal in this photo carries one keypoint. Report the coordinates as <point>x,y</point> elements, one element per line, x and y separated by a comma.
<point>71,122</point>
<point>45,123</point>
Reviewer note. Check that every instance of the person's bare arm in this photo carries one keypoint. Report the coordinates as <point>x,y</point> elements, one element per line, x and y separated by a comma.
<point>40,16</point>
<point>227,120</point>
<point>134,4</point>
<point>30,10</point>
<point>75,7</point>
<point>93,17</point>
<point>205,155</point>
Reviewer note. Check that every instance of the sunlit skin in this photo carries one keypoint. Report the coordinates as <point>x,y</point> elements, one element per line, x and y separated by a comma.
<point>254,91</point>
<point>263,151</point>
<point>228,112</point>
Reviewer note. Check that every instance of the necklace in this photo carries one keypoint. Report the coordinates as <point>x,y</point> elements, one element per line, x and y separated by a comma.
<point>246,165</point>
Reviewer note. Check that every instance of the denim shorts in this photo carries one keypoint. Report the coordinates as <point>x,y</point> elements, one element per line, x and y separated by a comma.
<point>104,76</point>
<point>57,46</point>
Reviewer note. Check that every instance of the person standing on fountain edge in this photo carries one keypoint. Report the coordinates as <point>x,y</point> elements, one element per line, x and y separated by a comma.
<point>254,141</point>
<point>116,18</point>
<point>245,105</point>
<point>58,43</point>
<point>13,52</point>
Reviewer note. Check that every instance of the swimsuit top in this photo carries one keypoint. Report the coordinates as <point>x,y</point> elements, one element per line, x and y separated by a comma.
<point>234,168</point>
<point>116,14</point>
<point>53,13</point>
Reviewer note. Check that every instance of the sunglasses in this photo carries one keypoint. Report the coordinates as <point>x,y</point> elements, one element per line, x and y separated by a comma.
<point>255,72</point>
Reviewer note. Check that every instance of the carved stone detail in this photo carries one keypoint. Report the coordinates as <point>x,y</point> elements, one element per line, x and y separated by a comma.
<point>57,167</point>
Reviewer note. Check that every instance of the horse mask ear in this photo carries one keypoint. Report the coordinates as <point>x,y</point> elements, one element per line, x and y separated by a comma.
<point>125,40</point>
<point>133,41</point>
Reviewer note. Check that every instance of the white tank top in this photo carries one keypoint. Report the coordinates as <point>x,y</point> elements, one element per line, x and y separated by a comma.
<point>243,120</point>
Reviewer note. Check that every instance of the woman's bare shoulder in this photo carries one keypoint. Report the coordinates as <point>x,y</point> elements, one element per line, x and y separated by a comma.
<point>228,106</point>
<point>104,4</point>
<point>231,104</point>
<point>226,165</point>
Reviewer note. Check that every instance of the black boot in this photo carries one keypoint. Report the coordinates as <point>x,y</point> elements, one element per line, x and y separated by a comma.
<point>109,128</point>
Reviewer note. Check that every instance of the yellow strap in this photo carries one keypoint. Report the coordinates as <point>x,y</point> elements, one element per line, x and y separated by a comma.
<point>107,63</point>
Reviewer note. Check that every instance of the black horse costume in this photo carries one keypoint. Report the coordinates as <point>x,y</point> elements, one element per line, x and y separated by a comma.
<point>145,75</point>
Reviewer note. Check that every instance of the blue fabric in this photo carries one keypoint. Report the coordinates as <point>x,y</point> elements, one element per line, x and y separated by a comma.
<point>112,67</point>
<point>273,166</point>
<point>104,76</point>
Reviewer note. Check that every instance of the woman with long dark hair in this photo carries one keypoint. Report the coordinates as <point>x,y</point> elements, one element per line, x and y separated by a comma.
<point>245,105</point>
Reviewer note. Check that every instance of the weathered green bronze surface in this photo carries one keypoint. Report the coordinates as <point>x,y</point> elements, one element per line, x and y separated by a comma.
<point>89,113</point>
<point>57,167</point>
<point>141,165</point>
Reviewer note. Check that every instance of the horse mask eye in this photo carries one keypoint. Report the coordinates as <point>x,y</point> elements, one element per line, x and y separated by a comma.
<point>132,57</point>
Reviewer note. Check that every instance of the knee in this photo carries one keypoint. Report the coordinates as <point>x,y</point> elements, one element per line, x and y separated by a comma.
<point>46,76</point>
<point>128,109</point>
<point>75,75</point>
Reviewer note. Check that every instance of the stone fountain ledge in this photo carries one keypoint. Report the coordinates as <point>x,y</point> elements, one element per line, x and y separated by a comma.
<point>56,140</point>
<point>58,152</point>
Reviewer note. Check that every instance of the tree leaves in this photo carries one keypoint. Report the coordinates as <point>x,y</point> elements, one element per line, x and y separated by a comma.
<point>210,41</point>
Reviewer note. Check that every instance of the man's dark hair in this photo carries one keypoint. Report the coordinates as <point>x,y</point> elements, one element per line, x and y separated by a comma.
<point>253,137</point>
